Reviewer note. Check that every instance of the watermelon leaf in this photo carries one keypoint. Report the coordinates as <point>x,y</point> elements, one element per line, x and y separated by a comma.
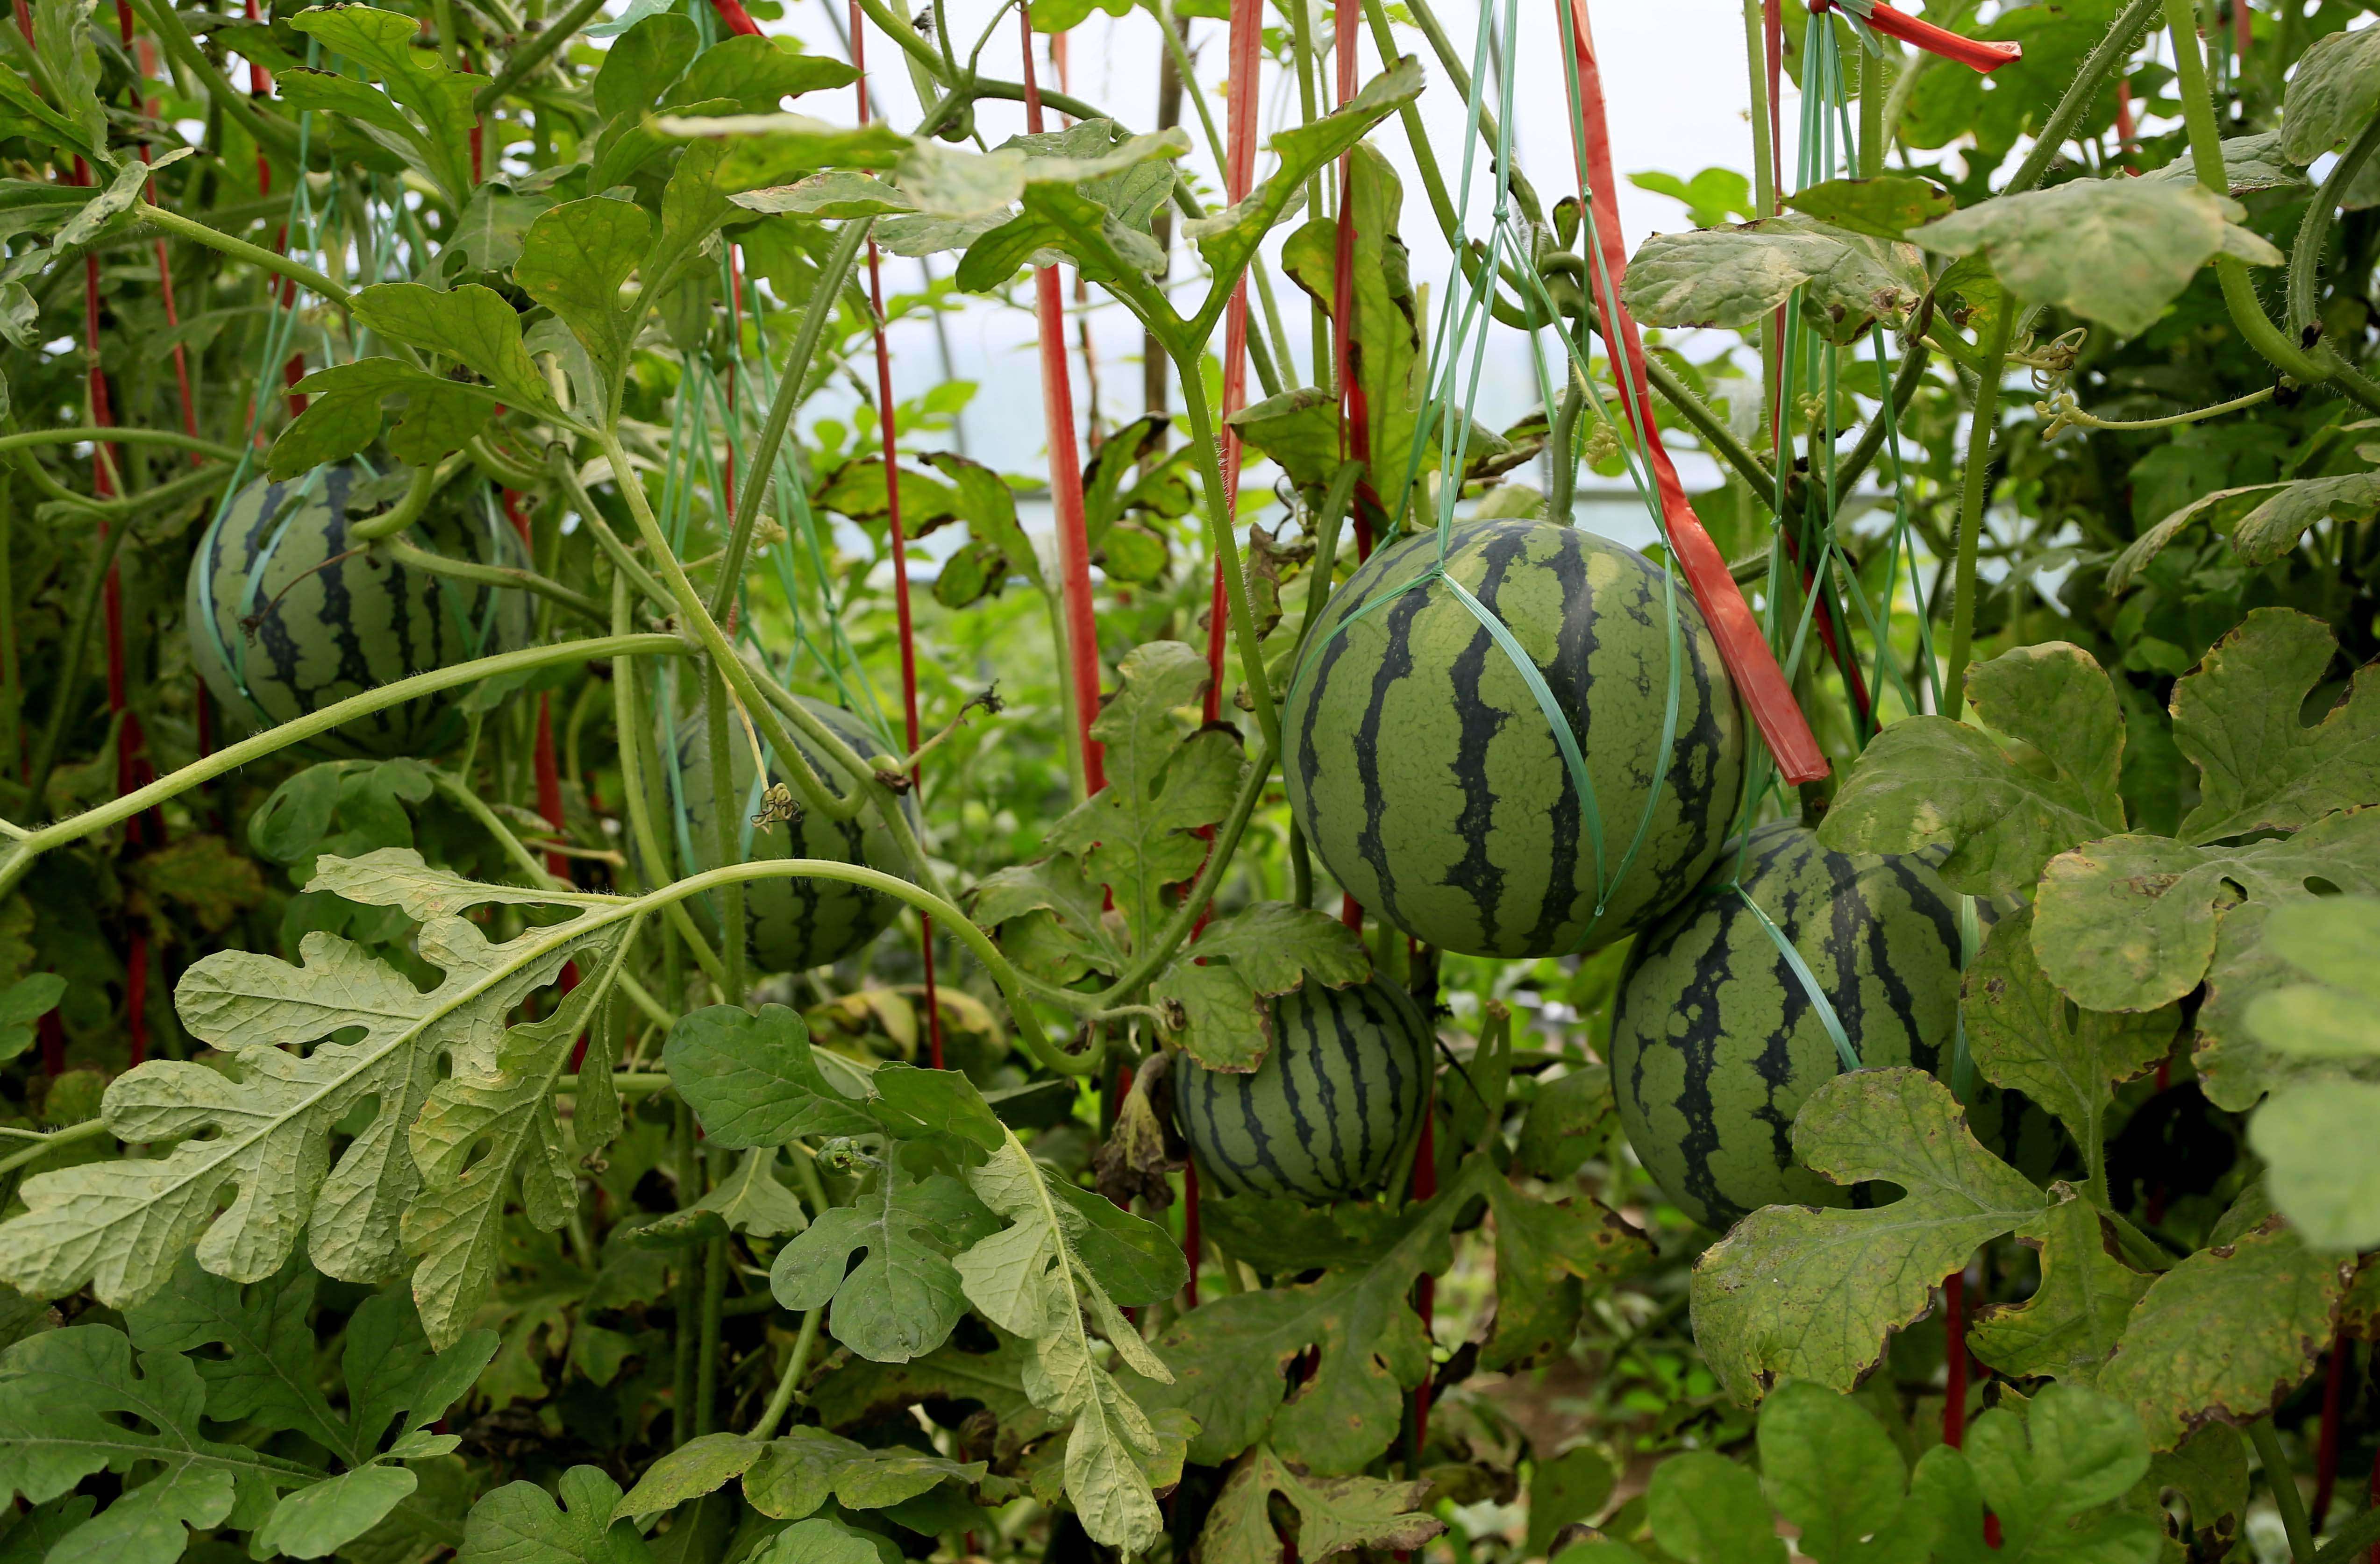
<point>2129,922</point>
<point>1031,1279</point>
<point>520,1524</point>
<point>2332,95</point>
<point>2114,251</point>
<point>1335,1514</point>
<point>1803,1293</point>
<point>2322,1171</point>
<point>1137,835</point>
<point>2073,1452</point>
<point>2024,1039</point>
<point>1548,1253</point>
<point>2275,1299</point>
<point>1928,781</point>
<point>124,1225</point>
<point>71,1404</point>
<point>2261,767</point>
<point>1707,1509</point>
<point>383,43</point>
<point>903,1299</point>
<point>752,1079</point>
<point>1828,1467</point>
<point>1390,362</point>
<point>1224,982</point>
<point>798,1473</point>
<point>2071,1325</point>
<point>471,324</point>
<point>1734,276</point>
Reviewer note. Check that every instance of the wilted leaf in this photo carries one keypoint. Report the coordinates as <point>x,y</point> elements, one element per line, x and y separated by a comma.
<point>2227,1333</point>
<point>1334,1514</point>
<point>1734,276</point>
<point>2069,1326</point>
<point>2129,923</point>
<point>1929,782</point>
<point>1807,1293</point>
<point>2260,766</point>
<point>2114,251</point>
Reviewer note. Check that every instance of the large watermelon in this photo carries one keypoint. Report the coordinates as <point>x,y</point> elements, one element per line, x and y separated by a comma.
<point>1427,776</point>
<point>795,923</point>
<point>1326,1114</point>
<point>325,630</point>
<point>1715,1042</point>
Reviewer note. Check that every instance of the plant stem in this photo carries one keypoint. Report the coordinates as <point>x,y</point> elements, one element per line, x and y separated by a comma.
<point>536,52</point>
<point>403,553</point>
<point>782,1399</point>
<point>419,490</point>
<point>73,1134</point>
<point>476,808</point>
<point>69,681</point>
<point>761,456</point>
<point>2206,158</point>
<point>2111,52</point>
<point>164,23</point>
<point>706,1351</point>
<point>1220,537</point>
<point>2313,231</point>
<point>2283,1482</point>
<point>727,814</point>
<point>240,249</point>
<point>80,434</point>
<point>1983,429</point>
<point>30,844</point>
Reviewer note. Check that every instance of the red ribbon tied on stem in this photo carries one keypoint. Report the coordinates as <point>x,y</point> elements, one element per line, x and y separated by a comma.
<point>1974,53</point>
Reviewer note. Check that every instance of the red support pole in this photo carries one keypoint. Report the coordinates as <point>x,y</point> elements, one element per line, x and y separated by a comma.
<point>1065,474</point>
<point>900,545</point>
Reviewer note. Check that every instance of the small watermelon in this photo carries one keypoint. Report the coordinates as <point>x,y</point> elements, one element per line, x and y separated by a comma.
<point>1714,1043</point>
<point>795,923</point>
<point>1330,1107</point>
<point>1425,774</point>
<point>280,628</point>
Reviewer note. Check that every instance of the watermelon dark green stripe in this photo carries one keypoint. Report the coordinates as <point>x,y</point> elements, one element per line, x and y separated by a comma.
<point>1421,770</point>
<point>326,631</point>
<point>794,925</point>
<point>1323,1116</point>
<point>1715,1042</point>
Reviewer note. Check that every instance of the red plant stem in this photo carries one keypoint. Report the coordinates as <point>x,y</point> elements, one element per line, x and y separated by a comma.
<point>1853,682</point>
<point>54,1043</point>
<point>2125,124</point>
<point>1065,475</point>
<point>1741,644</point>
<point>2240,35</point>
<point>2372,1500</point>
<point>1954,1358</point>
<point>900,544</point>
<point>2325,1449</point>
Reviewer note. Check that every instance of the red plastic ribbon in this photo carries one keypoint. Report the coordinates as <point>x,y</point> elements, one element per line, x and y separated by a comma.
<point>1742,647</point>
<point>1976,54</point>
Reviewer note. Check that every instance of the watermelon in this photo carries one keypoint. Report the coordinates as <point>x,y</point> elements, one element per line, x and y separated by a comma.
<point>1425,775</point>
<point>1327,1113</point>
<point>322,631</point>
<point>1714,1043</point>
<point>794,925</point>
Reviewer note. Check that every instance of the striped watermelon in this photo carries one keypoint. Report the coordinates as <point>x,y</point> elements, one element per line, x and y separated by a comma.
<point>1327,1113</point>
<point>324,632</point>
<point>1424,772</point>
<point>795,923</point>
<point>1714,1043</point>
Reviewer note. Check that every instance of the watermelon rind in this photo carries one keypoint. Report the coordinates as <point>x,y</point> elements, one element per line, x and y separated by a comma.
<point>1715,1041</point>
<point>795,923</point>
<point>1425,775</point>
<point>1329,1112</point>
<point>326,628</point>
